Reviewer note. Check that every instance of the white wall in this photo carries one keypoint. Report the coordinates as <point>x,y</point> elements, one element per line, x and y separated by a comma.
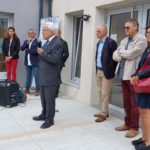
<point>97,9</point>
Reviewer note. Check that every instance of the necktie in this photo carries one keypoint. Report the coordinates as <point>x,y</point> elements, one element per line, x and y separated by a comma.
<point>46,43</point>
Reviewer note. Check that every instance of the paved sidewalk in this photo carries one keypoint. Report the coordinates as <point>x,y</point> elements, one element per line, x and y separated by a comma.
<point>74,129</point>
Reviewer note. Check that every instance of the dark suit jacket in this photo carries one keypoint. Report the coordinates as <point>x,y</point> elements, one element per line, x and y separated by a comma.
<point>108,64</point>
<point>49,65</point>
<point>146,73</point>
<point>34,56</point>
<point>14,48</point>
<point>65,53</point>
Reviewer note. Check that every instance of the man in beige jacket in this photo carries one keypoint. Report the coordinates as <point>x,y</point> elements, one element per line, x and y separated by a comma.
<point>128,55</point>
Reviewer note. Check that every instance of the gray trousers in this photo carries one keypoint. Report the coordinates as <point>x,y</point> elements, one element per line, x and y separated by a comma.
<point>48,95</point>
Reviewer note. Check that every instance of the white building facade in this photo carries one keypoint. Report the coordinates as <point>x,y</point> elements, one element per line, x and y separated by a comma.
<point>79,19</point>
<point>79,74</point>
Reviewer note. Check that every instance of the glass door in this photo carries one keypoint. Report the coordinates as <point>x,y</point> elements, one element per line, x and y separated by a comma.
<point>5,22</point>
<point>116,20</point>
<point>146,17</point>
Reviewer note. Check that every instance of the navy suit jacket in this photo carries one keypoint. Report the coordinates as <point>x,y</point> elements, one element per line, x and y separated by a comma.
<point>108,64</point>
<point>34,56</point>
<point>146,73</point>
<point>65,53</point>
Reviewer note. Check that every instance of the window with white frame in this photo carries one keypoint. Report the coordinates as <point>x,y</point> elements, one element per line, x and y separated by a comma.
<point>77,48</point>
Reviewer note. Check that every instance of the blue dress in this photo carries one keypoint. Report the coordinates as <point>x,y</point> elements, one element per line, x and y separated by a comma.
<point>143,99</point>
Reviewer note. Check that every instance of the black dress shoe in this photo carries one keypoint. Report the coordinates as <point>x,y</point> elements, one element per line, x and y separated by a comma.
<point>39,118</point>
<point>47,124</point>
<point>142,146</point>
<point>137,142</point>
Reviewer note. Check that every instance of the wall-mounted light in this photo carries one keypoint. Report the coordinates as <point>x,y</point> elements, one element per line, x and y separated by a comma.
<point>86,17</point>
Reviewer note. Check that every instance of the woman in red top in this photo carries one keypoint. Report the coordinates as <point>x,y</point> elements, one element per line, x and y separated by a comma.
<point>10,48</point>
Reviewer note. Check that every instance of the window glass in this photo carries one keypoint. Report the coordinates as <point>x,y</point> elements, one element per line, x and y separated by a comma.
<point>117,23</point>
<point>77,47</point>
<point>117,33</point>
<point>148,17</point>
<point>3,31</point>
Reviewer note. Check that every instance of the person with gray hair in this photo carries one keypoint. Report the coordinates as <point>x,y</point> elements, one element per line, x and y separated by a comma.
<point>128,55</point>
<point>31,61</point>
<point>49,74</point>
<point>105,70</point>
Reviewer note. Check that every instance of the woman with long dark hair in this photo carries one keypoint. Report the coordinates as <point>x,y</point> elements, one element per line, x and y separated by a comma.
<point>143,100</point>
<point>10,48</point>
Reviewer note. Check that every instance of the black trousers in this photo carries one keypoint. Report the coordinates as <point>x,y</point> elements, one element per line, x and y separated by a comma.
<point>48,95</point>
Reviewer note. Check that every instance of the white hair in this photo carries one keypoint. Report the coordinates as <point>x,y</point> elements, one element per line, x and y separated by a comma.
<point>51,26</point>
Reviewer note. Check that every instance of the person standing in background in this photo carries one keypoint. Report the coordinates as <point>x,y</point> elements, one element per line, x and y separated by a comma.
<point>31,61</point>
<point>143,99</point>
<point>65,53</point>
<point>10,48</point>
<point>105,70</point>
<point>128,55</point>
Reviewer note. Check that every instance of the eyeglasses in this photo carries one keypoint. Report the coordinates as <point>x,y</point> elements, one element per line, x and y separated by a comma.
<point>147,34</point>
<point>45,30</point>
<point>126,28</point>
<point>30,33</point>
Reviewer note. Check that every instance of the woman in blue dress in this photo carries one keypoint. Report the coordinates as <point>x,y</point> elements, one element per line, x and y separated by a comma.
<point>143,100</point>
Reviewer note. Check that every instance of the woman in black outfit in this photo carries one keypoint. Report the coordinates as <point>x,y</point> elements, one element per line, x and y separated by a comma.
<point>10,48</point>
<point>143,100</point>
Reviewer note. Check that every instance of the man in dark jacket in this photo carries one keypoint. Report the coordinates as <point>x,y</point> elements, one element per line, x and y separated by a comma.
<point>105,70</point>
<point>49,71</point>
<point>65,53</point>
<point>31,60</point>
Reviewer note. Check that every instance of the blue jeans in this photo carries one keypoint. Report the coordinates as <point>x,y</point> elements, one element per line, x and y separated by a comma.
<point>30,70</point>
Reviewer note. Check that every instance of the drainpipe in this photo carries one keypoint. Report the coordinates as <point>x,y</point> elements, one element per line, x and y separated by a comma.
<point>40,11</point>
<point>50,8</point>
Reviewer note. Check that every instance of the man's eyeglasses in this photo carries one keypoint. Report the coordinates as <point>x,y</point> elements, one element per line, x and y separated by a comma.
<point>147,34</point>
<point>44,30</point>
<point>30,33</point>
<point>126,28</point>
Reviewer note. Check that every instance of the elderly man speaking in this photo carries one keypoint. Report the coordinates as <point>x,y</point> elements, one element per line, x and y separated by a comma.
<point>49,74</point>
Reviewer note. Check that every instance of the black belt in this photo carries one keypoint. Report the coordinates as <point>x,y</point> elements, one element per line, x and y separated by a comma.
<point>99,68</point>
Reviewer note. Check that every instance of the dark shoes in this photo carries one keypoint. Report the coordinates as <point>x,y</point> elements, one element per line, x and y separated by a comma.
<point>39,118</point>
<point>47,124</point>
<point>99,114</point>
<point>142,146</point>
<point>137,142</point>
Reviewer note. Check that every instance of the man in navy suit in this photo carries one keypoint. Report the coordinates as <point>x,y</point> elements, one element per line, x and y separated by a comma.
<point>105,70</point>
<point>31,60</point>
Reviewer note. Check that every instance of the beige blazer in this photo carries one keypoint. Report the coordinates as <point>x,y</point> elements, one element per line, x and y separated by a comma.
<point>131,56</point>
